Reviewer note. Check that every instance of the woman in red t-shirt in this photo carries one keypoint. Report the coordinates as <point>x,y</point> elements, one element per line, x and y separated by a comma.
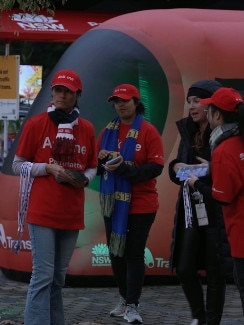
<point>128,194</point>
<point>56,159</point>
<point>226,118</point>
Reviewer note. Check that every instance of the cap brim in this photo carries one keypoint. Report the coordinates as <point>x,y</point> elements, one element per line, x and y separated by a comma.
<point>206,101</point>
<point>70,87</point>
<point>118,96</point>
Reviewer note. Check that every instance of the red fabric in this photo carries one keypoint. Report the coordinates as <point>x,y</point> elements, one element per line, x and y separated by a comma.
<point>228,186</point>
<point>64,26</point>
<point>224,98</point>
<point>52,204</point>
<point>149,148</point>
<point>125,91</point>
<point>68,78</point>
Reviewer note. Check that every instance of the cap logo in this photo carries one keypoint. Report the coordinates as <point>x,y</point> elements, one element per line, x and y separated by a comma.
<point>67,77</point>
<point>120,89</point>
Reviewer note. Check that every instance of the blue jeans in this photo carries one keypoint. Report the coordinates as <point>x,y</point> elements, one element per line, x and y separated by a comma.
<point>51,253</point>
<point>129,270</point>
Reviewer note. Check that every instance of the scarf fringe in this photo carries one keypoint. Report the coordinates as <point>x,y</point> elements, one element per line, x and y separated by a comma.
<point>117,244</point>
<point>63,149</point>
<point>107,204</point>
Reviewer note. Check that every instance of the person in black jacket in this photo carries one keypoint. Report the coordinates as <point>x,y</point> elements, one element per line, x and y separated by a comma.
<point>198,223</point>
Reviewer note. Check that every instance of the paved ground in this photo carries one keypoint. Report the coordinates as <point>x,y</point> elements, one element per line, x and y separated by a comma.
<point>160,304</point>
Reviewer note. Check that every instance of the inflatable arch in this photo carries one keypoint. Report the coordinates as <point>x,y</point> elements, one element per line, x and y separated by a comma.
<point>162,52</point>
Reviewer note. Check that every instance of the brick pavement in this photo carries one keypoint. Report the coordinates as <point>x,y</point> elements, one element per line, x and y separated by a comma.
<point>160,304</point>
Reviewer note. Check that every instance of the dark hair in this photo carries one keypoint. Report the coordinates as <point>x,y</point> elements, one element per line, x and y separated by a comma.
<point>232,117</point>
<point>140,108</point>
<point>200,138</point>
<point>240,108</point>
<point>78,95</point>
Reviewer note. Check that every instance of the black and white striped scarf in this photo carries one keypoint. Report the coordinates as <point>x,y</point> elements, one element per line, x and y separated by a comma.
<point>223,132</point>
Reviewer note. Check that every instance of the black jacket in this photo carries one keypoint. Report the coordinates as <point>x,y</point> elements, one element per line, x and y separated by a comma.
<point>187,154</point>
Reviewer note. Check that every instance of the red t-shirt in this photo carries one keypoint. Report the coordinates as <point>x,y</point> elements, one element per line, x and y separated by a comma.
<point>228,186</point>
<point>149,148</point>
<point>52,204</point>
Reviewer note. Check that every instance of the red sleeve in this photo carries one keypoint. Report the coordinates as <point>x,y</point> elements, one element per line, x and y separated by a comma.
<point>27,143</point>
<point>154,146</point>
<point>226,179</point>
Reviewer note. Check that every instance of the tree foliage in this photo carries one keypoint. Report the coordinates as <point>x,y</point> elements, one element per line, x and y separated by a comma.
<point>31,5</point>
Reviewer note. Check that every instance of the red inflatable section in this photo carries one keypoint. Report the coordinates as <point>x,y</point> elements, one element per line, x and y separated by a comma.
<point>189,45</point>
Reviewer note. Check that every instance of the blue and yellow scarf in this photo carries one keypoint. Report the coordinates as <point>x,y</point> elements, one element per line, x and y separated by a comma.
<point>115,191</point>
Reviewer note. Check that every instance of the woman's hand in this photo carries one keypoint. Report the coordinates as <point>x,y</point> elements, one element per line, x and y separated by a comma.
<point>204,163</point>
<point>112,167</point>
<point>103,154</point>
<point>58,172</point>
<point>178,166</point>
<point>191,180</point>
<point>61,176</point>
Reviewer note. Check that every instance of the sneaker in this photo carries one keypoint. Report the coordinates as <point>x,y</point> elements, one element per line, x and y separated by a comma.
<point>132,315</point>
<point>194,321</point>
<point>119,309</point>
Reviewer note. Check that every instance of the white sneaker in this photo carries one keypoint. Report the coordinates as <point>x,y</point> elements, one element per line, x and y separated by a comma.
<point>132,315</point>
<point>194,322</point>
<point>119,309</point>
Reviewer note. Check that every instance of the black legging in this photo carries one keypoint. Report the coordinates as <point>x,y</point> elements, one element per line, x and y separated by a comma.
<point>129,270</point>
<point>187,271</point>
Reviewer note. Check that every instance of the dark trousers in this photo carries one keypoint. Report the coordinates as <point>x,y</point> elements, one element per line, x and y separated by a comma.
<point>129,270</point>
<point>192,241</point>
<point>239,277</point>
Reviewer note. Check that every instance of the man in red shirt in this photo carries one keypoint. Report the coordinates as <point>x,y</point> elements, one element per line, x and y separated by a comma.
<point>226,118</point>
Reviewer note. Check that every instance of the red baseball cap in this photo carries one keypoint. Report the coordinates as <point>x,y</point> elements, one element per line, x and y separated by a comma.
<point>125,91</point>
<point>67,78</point>
<point>224,98</point>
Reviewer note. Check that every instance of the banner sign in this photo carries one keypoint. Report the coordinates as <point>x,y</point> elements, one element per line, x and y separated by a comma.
<point>9,87</point>
<point>63,26</point>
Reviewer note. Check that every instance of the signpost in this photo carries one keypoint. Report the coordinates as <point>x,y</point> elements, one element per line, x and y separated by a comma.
<point>9,93</point>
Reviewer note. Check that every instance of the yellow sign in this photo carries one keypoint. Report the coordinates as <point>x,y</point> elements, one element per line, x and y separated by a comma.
<point>9,87</point>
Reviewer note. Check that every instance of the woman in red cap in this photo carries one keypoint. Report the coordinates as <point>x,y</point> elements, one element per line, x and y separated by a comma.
<point>56,159</point>
<point>226,118</point>
<point>128,195</point>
